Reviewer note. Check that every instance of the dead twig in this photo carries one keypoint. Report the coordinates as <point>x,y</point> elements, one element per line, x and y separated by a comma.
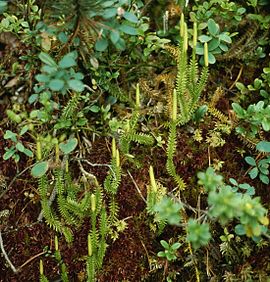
<point>92,164</point>
<point>51,199</point>
<point>31,259</point>
<point>136,186</point>
<point>237,78</point>
<point>5,255</point>
<point>14,269</point>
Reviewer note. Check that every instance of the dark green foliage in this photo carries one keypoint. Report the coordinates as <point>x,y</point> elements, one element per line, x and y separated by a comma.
<point>225,205</point>
<point>253,119</point>
<point>216,40</point>
<point>169,250</point>
<point>115,91</point>
<point>131,134</point>
<point>171,148</point>
<point>84,87</point>
<point>102,242</point>
<point>58,76</point>
<point>113,179</point>
<point>71,107</point>
<point>62,265</point>
<point>73,8</point>
<point>198,234</point>
<point>89,19</point>
<point>168,211</point>
<point>96,241</point>
<point>114,209</point>
<point>189,85</point>
<point>90,268</point>
<point>71,210</point>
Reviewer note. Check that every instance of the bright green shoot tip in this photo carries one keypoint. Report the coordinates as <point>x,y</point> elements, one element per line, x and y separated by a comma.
<point>206,54</point>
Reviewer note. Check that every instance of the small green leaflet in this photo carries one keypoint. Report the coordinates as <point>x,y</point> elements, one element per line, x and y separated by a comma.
<point>47,59</point>
<point>39,169</point>
<point>68,61</point>
<point>263,146</point>
<point>101,44</point>
<point>68,146</point>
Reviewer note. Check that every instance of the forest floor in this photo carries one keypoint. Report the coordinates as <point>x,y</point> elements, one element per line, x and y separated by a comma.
<point>133,256</point>
<point>129,258</point>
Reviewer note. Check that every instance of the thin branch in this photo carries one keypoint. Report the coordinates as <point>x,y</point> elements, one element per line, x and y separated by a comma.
<point>51,199</point>
<point>92,164</point>
<point>5,255</point>
<point>32,258</point>
<point>237,78</point>
<point>185,205</point>
<point>147,254</point>
<point>85,173</point>
<point>14,269</point>
<point>136,186</point>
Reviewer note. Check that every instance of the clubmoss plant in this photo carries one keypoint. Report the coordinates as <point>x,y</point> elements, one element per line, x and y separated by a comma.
<point>62,265</point>
<point>186,94</point>
<point>130,134</point>
<point>42,277</point>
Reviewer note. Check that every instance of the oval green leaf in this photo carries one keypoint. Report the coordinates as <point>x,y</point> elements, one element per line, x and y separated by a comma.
<point>264,178</point>
<point>164,244</point>
<point>225,37</point>
<point>42,78</point>
<point>68,146</point>
<point>213,27</point>
<point>47,59</point>
<point>233,181</point>
<point>68,61</point>
<point>211,58</point>
<point>56,84</point>
<point>213,44</point>
<point>204,38</point>
<point>114,36</point>
<point>250,161</point>
<point>240,112</point>
<point>24,130</point>
<point>130,17</point>
<point>239,229</point>
<point>76,85</point>
<point>95,109</point>
<point>223,47</point>
<point>263,146</point>
<point>39,169</point>
<point>8,154</point>
<point>128,29</point>
<point>101,45</point>
<point>109,13</point>
<point>253,173</point>
<point>28,153</point>
<point>20,147</point>
<point>10,135</point>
